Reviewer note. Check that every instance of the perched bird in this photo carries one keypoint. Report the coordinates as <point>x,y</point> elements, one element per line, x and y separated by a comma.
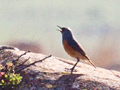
<point>72,47</point>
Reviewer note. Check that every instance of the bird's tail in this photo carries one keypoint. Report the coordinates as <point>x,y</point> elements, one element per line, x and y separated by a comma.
<point>90,61</point>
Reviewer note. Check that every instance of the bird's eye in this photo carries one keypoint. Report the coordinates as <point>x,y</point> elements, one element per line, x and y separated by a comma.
<point>63,30</point>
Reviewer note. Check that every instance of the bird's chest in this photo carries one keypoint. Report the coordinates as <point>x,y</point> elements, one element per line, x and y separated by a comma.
<point>69,49</point>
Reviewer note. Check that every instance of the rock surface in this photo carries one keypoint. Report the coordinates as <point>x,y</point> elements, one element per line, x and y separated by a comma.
<point>53,73</point>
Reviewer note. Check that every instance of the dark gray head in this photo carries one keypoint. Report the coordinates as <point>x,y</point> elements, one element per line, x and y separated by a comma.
<point>65,31</point>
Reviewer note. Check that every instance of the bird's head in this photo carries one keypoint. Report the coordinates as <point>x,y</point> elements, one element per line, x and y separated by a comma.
<point>64,30</point>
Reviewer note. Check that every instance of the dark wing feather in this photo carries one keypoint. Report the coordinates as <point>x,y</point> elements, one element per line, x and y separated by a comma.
<point>76,46</point>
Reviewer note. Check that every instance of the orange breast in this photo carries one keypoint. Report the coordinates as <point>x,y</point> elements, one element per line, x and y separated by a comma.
<point>71,51</point>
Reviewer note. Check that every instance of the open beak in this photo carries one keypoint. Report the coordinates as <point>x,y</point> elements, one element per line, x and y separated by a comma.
<point>59,29</point>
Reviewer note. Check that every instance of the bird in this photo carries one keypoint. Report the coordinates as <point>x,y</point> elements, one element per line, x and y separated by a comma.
<point>72,47</point>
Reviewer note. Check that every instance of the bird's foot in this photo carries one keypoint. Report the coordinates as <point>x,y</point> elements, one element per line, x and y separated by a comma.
<point>70,70</point>
<point>73,70</point>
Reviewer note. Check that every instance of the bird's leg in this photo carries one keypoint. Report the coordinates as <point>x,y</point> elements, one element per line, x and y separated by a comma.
<point>74,65</point>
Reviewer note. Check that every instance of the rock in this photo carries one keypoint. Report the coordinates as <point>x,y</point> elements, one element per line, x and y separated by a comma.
<point>53,73</point>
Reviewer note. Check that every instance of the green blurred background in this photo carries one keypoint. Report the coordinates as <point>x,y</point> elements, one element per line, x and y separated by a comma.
<point>32,24</point>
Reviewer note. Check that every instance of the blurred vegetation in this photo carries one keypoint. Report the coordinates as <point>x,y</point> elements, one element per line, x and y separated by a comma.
<point>10,69</point>
<point>8,78</point>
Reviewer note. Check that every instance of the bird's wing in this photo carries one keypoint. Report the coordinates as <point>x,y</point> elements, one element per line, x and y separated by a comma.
<point>76,46</point>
